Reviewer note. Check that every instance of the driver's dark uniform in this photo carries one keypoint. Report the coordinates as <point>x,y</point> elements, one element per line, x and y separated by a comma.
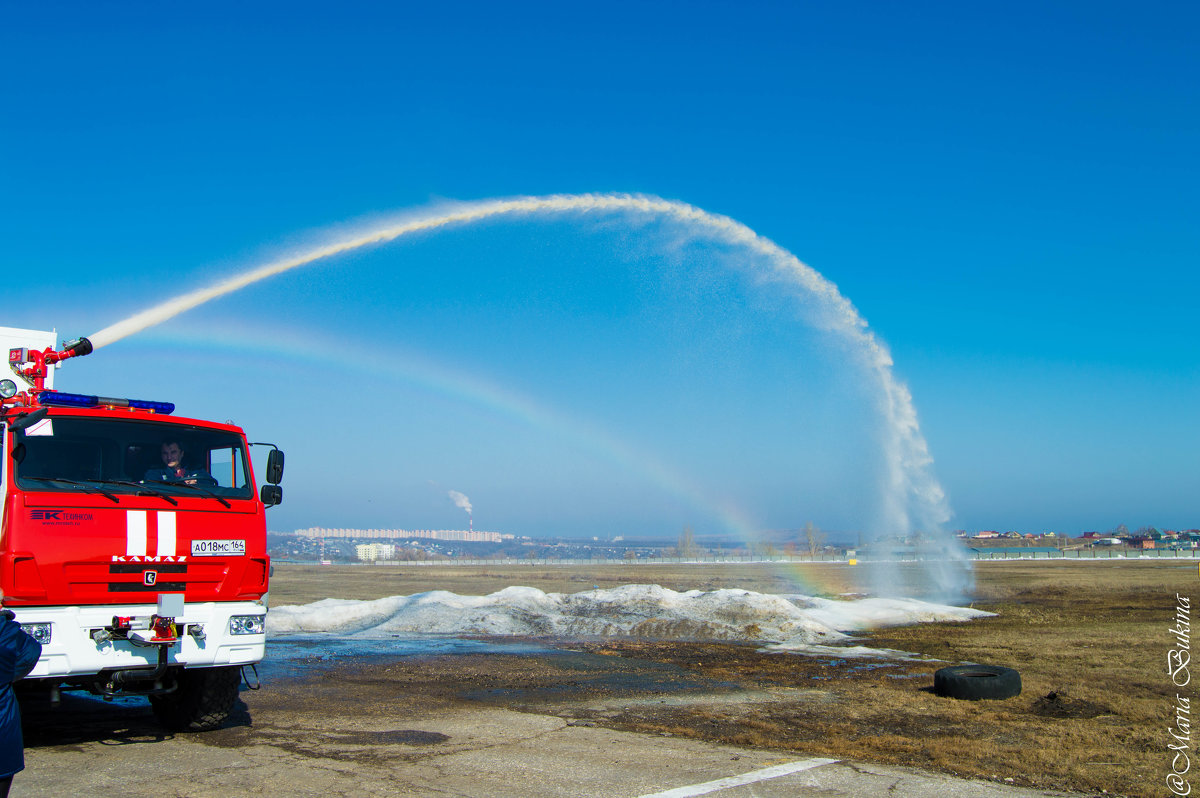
<point>177,475</point>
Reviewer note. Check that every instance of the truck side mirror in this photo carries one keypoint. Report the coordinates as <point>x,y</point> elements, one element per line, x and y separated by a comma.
<point>275,467</point>
<point>28,419</point>
<point>271,495</point>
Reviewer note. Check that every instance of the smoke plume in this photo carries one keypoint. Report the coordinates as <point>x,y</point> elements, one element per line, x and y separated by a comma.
<point>460,500</point>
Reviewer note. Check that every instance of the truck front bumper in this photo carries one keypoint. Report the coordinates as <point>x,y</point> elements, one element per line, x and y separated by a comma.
<point>210,634</point>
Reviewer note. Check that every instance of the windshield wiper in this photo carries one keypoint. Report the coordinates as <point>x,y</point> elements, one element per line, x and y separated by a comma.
<point>205,491</point>
<point>86,487</point>
<point>142,489</point>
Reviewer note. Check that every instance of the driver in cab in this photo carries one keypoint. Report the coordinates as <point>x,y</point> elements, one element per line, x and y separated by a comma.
<point>174,470</point>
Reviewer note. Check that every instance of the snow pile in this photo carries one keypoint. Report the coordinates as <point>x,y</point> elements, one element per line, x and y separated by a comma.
<point>792,623</point>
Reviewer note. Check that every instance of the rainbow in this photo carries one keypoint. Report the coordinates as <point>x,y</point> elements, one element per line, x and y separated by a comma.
<point>457,385</point>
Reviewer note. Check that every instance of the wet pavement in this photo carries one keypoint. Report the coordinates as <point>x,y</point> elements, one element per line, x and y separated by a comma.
<point>406,716</point>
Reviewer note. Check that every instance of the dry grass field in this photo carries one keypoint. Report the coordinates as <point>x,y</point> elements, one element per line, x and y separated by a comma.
<point>1090,639</point>
<point>300,584</point>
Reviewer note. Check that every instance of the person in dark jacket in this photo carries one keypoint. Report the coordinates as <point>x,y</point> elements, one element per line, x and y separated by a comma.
<point>174,470</point>
<point>18,654</point>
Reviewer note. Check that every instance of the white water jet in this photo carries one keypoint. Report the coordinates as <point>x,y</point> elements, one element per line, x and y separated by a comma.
<point>912,498</point>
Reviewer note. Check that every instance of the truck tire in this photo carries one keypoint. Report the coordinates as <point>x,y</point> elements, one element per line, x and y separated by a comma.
<point>975,682</point>
<point>204,698</point>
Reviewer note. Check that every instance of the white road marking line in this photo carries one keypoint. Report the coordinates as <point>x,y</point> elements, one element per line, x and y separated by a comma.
<point>166,532</point>
<point>746,778</point>
<point>135,533</point>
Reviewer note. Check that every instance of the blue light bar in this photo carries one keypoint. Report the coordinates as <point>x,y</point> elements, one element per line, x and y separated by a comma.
<point>60,399</point>
<point>165,408</point>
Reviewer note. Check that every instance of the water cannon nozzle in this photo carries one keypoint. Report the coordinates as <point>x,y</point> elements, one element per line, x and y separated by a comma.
<point>41,361</point>
<point>78,348</point>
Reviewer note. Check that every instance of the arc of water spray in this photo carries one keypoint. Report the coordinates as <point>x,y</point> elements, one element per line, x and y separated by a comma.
<point>913,494</point>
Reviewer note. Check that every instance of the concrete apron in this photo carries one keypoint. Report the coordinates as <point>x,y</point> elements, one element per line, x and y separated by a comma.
<point>460,751</point>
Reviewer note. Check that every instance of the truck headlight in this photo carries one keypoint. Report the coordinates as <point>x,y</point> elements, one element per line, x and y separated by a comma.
<point>38,631</point>
<point>246,624</point>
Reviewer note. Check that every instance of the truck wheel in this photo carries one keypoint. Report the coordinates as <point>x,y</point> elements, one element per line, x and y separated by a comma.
<point>204,698</point>
<point>974,682</point>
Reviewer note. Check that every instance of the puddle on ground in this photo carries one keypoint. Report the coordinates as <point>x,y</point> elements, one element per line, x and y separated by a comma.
<point>657,682</point>
<point>290,656</point>
<point>395,737</point>
<point>570,675</point>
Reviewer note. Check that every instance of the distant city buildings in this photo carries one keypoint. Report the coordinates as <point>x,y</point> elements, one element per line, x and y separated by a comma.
<point>326,544</point>
<point>369,552</point>
<point>1143,538</point>
<point>466,535</point>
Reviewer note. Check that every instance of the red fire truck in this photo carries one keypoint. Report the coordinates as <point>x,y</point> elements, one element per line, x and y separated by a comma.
<point>139,576</point>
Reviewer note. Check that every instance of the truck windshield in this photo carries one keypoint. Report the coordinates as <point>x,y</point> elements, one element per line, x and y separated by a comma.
<point>63,453</point>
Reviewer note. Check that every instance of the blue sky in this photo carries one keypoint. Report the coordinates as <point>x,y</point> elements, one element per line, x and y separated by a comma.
<point>1007,194</point>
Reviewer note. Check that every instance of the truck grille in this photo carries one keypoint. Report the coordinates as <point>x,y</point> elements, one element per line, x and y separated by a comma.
<point>95,582</point>
<point>137,587</point>
<point>141,567</point>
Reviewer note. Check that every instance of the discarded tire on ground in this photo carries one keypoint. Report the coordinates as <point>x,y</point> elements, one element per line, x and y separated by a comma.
<point>975,682</point>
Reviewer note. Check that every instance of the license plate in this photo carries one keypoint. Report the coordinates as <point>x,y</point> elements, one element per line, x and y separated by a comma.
<point>218,548</point>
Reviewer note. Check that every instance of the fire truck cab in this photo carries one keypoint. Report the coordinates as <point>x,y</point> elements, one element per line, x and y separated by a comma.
<point>138,576</point>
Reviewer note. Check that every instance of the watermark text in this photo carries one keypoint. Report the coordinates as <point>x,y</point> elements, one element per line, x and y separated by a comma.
<point>1179,663</point>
